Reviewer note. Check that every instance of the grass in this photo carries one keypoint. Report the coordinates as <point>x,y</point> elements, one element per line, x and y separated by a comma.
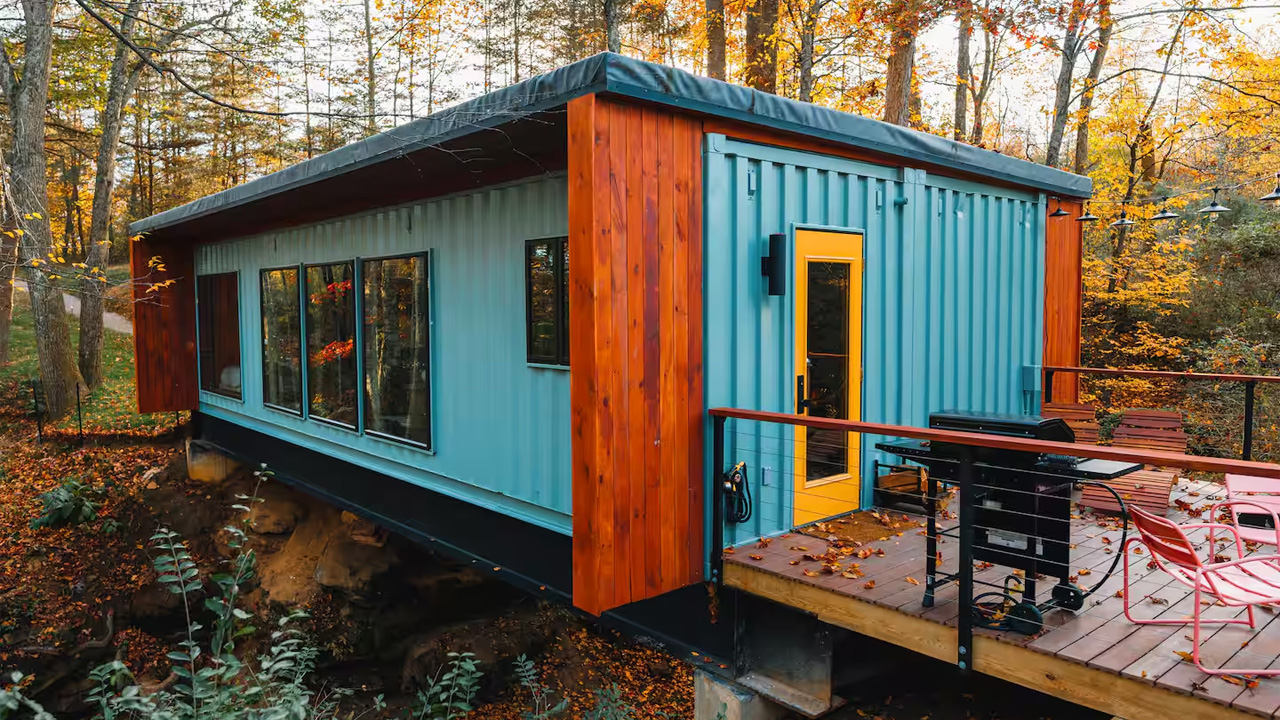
<point>109,410</point>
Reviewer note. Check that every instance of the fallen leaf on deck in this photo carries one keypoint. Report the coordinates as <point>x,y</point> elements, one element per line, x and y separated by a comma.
<point>912,580</point>
<point>869,585</point>
<point>756,557</point>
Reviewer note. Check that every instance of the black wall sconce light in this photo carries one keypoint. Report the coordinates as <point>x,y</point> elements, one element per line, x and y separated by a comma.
<point>774,265</point>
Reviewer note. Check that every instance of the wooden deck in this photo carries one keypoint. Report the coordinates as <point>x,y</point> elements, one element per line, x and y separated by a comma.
<point>1095,658</point>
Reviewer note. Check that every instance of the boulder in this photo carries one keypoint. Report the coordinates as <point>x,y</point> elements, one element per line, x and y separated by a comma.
<point>205,464</point>
<point>351,565</point>
<point>277,510</point>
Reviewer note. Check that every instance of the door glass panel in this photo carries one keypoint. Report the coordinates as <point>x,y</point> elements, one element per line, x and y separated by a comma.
<point>827,356</point>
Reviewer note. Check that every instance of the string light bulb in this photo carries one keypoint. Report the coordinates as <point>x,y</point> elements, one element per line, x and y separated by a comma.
<point>1087,216</point>
<point>1214,207</point>
<point>1274,195</point>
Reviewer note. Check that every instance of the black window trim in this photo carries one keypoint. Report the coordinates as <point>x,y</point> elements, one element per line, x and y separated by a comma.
<point>301,412</point>
<point>559,273</point>
<point>429,448</point>
<point>239,330</point>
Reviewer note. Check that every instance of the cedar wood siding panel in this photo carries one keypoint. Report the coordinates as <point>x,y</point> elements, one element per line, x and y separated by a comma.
<point>164,327</point>
<point>635,264</point>
<point>1063,297</point>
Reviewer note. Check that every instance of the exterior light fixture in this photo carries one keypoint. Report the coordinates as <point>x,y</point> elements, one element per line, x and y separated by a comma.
<point>1124,220</point>
<point>774,265</point>
<point>1165,213</point>
<point>1063,213</point>
<point>1214,207</point>
<point>1087,216</point>
<point>1274,195</point>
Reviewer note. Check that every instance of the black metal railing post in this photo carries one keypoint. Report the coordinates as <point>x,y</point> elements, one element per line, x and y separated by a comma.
<point>1048,385</point>
<point>717,498</point>
<point>1250,386</point>
<point>964,623</point>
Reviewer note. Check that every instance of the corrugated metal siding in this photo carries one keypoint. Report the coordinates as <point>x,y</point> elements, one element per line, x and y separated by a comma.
<point>952,305</point>
<point>501,427</point>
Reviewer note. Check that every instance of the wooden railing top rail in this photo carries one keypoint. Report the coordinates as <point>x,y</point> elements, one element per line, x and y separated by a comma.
<point>1003,442</point>
<point>1167,374</point>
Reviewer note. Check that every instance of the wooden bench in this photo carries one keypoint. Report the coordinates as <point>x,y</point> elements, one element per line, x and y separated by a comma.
<point>1148,489</point>
<point>1083,419</point>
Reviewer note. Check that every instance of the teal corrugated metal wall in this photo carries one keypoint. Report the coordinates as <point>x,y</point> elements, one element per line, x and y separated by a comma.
<point>953,298</point>
<point>501,427</point>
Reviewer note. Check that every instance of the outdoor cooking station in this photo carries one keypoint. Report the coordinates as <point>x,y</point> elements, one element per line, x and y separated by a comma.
<point>1021,504</point>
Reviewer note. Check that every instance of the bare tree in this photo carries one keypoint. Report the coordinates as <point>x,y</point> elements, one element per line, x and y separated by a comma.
<point>964,16</point>
<point>1090,84</point>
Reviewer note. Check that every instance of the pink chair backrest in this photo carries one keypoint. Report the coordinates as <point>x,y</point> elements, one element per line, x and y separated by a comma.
<point>1165,539</point>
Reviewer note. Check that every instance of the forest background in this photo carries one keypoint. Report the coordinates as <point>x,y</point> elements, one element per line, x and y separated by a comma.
<point>119,109</point>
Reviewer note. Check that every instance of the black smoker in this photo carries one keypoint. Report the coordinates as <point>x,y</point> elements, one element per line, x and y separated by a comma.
<point>1021,502</point>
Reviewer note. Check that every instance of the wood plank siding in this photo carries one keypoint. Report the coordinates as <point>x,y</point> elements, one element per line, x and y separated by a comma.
<point>1062,296</point>
<point>164,326</point>
<point>635,306</point>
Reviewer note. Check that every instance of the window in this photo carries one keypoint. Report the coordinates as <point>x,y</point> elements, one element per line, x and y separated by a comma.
<point>218,303</point>
<point>331,338</point>
<point>282,340</point>
<point>547,301</point>
<point>397,349</point>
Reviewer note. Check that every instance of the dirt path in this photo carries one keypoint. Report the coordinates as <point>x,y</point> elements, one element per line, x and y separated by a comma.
<point>111,321</point>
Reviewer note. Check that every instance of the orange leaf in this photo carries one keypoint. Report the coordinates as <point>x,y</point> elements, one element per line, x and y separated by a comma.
<point>756,557</point>
<point>869,585</point>
<point>912,580</point>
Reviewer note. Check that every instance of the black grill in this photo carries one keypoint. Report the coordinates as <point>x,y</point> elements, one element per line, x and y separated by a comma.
<point>1021,500</point>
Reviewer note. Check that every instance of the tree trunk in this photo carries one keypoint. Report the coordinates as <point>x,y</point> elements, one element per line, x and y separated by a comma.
<point>612,29</point>
<point>898,72</point>
<point>121,84</point>
<point>808,40</point>
<point>8,259</point>
<point>1081,166</point>
<point>1069,51</point>
<point>55,356</point>
<point>761,72</point>
<point>964,14</point>
<point>370,92</point>
<point>715,39</point>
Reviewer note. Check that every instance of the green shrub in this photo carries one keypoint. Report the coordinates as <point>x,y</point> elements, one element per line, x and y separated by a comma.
<point>71,503</point>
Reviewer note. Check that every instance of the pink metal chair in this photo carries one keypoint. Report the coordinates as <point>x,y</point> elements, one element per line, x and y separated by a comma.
<point>1255,492</point>
<point>1243,582</point>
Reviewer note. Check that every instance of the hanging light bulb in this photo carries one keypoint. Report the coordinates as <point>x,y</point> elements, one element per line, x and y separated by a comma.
<point>1165,213</point>
<point>1124,220</point>
<point>1274,195</point>
<point>1063,213</point>
<point>1087,216</point>
<point>1214,207</point>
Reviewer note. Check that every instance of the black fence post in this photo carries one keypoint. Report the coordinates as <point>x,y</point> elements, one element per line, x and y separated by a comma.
<point>79,416</point>
<point>35,407</point>
<point>717,498</point>
<point>964,623</point>
<point>1249,387</point>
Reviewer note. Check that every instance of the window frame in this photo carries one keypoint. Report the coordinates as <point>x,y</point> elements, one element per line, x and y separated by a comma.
<point>559,247</point>
<point>239,332</point>
<point>301,412</point>
<point>356,336</point>
<point>429,258</point>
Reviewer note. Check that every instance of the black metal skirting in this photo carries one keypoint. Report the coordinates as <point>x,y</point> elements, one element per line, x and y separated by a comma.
<point>532,558</point>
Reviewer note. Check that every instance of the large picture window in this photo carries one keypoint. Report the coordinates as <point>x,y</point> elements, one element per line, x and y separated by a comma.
<point>547,300</point>
<point>397,348</point>
<point>331,338</point>
<point>218,303</point>
<point>282,339</point>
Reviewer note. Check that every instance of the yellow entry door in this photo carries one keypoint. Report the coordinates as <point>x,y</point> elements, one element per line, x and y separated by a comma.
<point>828,364</point>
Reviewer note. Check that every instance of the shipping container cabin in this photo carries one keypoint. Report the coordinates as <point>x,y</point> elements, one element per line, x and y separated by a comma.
<point>498,328</point>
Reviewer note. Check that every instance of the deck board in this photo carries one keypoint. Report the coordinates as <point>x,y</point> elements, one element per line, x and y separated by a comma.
<point>1099,636</point>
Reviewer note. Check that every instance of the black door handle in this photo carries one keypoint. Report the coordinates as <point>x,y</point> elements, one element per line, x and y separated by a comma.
<point>802,402</point>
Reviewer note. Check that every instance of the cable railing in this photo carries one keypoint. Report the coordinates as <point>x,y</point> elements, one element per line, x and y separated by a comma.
<point>1252,403</point>
<point>1011,504</point>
